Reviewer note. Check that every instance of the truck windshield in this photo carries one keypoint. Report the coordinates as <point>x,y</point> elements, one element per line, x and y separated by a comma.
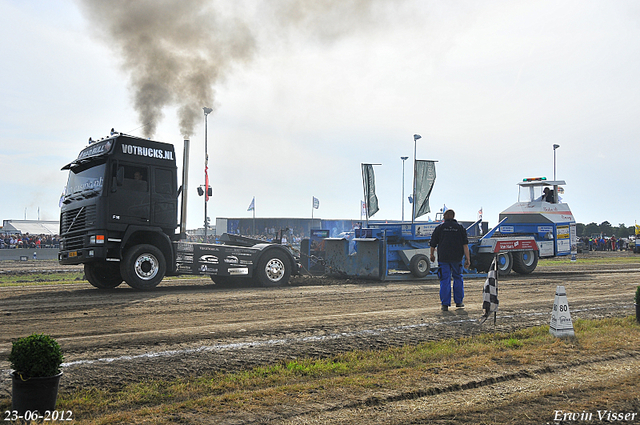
<point>84,182</point>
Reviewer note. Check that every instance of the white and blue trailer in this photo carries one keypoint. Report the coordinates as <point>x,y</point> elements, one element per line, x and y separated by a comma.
<point>534,227</point>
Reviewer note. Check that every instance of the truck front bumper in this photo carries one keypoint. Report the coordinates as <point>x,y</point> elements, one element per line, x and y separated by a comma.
<point>83,255</point>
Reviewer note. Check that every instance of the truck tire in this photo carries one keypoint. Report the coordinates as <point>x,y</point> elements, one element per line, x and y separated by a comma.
<point>143,267</point>
<point>524,262</point>
<point>505,263</point>
<point>274,269</point>
<point>419,265</point>
<point>103,275</point>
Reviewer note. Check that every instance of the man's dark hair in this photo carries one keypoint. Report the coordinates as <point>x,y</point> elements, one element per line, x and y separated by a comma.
<point>449,214</point>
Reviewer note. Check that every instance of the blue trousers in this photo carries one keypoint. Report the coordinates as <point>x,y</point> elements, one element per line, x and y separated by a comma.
<point>445,272</point>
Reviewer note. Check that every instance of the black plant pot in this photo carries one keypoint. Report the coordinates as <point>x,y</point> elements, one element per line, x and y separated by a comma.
<point>34,393</point>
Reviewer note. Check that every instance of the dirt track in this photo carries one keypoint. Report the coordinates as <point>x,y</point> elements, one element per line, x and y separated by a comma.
<point>190,327</point>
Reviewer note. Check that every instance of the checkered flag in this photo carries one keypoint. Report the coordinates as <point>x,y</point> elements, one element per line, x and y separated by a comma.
<point>490,293</point>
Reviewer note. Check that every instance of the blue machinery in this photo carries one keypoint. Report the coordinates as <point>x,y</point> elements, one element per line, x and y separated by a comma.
<point>536,227</point>
<point>392,251</point>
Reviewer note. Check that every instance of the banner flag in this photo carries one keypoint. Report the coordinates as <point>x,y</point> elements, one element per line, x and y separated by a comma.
<point>425,178</point>
<point>252,207</point>
<point>316,203</point>
<point>371,199</point>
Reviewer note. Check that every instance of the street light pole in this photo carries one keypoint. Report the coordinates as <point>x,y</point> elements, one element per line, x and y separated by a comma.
<point>415,172</point>
<point>403,158</point>
<point>207,111</point>
<point>554,161</point>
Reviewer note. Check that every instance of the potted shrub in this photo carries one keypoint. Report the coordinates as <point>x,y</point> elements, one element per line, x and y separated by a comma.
<point>35,361</point>
<point>636,300</point>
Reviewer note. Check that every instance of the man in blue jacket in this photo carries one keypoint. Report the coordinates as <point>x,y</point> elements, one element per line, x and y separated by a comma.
<point>451,241</point>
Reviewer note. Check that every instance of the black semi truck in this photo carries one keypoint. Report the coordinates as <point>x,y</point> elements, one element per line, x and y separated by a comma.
<point>119,217</point>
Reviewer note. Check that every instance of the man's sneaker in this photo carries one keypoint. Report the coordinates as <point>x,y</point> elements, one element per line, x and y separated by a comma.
<point>445,307</point>
<point>459,305</point>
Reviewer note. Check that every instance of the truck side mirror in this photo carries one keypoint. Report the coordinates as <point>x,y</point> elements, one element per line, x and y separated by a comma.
<point>120,176</point>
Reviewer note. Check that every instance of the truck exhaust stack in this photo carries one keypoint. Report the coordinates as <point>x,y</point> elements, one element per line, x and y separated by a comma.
<point>185,178</point>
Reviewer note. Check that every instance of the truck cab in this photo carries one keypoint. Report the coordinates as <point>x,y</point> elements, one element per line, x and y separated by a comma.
<point>546,218</point>
<point>121,190</point>
<point>119,217</point>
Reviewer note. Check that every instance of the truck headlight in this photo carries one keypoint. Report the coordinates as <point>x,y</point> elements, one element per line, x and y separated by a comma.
<point>96,239</point>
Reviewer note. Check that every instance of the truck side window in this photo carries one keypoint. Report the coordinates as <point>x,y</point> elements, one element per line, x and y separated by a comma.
<point>164,181</point>
<point>135,178</point>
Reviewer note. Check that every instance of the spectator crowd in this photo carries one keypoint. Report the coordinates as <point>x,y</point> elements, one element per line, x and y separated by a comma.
<point>605,243</point>
<point>13,241</point>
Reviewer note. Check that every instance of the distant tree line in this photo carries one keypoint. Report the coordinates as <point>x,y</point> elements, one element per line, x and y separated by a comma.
<point>606,229</point>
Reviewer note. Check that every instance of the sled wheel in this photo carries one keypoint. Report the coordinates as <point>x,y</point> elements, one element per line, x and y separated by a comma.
<point>505,263</point>
<point>419,265</point>
<point>524,262</point>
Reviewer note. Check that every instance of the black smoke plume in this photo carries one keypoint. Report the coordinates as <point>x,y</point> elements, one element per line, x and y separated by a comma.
<point>176,51</point>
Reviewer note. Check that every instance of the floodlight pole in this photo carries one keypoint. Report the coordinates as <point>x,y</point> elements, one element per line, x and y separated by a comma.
<point>415,174</point>
<point>207,111</point>
<point>403,158</point>
<point>554,161</point>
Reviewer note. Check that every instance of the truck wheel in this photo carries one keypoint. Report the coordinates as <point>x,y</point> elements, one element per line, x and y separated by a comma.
<point>419,265</point>
<point>143,267</point>
<point>103,275</point>
<point>524,262</point>
<point>273,269</point>
<point>505,262</point>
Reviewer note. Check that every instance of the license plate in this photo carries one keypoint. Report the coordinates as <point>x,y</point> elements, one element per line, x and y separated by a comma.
<point>73,254</point>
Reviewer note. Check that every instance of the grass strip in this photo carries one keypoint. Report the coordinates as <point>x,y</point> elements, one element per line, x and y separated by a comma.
<point>582,260</point>
<point>45,278</point>
<point>59,278</point>
<point>290,387</point>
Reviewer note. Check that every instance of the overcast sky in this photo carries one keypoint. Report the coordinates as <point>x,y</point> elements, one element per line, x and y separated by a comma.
<point>490,86</point>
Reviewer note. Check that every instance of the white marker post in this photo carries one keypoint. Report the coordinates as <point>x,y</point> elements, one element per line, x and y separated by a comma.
<point>561,324</point>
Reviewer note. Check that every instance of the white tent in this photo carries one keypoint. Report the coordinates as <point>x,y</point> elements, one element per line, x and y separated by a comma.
<point>32,227</point>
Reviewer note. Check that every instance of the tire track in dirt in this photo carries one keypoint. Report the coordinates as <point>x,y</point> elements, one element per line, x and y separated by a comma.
<point>183,316</point>
<point>475,396</point>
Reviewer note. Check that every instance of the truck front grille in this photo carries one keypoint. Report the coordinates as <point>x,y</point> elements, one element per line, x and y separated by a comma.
<point>73,243</point>
<point>77,220</point>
